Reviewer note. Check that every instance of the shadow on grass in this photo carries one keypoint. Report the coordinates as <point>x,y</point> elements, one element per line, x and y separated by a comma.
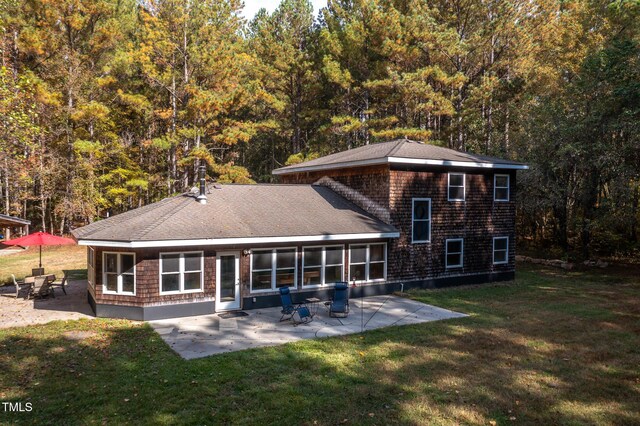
<point>514,361</point>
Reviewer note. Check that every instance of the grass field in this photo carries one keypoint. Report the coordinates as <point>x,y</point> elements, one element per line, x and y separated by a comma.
<point>550,348</point>
<point>54,260</point>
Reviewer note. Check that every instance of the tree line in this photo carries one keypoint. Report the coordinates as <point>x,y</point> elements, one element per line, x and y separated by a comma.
<point>108,105</point>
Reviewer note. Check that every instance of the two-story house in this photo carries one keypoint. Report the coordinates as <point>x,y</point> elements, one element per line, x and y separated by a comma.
<point>383,217</point>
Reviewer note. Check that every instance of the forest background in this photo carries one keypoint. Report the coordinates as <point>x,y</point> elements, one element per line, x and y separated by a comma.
<point>108,105</point>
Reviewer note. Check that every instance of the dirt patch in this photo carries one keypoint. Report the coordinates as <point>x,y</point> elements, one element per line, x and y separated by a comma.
<point>79,335</point>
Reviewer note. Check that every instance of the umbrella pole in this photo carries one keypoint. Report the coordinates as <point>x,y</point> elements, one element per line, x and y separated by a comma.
<point>40,266</point>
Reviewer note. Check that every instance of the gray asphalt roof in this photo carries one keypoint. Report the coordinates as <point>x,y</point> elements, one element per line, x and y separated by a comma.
<point>399,150</point>
<point>239,211</point>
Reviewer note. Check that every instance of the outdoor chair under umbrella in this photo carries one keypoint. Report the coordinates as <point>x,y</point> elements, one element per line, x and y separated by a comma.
<point>39,239</point>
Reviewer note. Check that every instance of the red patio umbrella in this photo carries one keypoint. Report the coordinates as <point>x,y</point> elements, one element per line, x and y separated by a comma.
<point>39,239</point>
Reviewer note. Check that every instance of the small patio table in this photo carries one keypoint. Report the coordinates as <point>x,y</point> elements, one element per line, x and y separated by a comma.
<point>312,304</point>
<point>32,280</point>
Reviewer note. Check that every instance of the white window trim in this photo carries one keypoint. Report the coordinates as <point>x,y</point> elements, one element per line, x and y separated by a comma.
<point>464,186</point>
<point>119,267</point>
<point>91,267</point>
<point>506,258</point>
<point>446,253</point>
<point>367,263</point>
<point>323,266</point>
<point>180,272</point>
<point>508,188</point>
<point>273,269</point>
<point>413,219</point>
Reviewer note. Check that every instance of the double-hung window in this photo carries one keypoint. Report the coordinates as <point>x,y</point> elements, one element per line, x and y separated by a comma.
<point>368,262</point>
<point>322,265</point>
<point>273,268</point>
<point>501,187</point>
<point>454,253</point>
<point>91,271</point>
<point>421,220</point>
<point>456,186</point>
<point>119,273</point>
<point>500,250</point>
<point>181,272</point>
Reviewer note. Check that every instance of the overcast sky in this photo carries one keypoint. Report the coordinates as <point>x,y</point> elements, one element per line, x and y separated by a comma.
<point>251,7</point>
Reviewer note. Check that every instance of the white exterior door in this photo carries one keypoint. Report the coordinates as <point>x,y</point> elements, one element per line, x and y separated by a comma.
<point>227,281</point>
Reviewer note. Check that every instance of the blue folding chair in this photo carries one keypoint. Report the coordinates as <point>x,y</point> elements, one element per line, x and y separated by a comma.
<point>290,309</point>
<point>339,306</point>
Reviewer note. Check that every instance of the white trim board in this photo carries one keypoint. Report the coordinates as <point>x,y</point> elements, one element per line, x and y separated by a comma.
<point>233,241</point>
<point>401,160</point>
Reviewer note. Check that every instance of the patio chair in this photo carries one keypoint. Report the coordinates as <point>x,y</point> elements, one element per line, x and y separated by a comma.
<point>289,309</point>
<point>339,306</point>
<point>37,271</point>
<point>61,284</point>
<point>41,288</point>
<point>18,285</point>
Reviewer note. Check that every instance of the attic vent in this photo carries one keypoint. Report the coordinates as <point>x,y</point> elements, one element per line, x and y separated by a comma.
<point>202,198</point>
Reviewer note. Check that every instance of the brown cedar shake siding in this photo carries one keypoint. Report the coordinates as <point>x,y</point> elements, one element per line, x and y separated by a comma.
<point>477,220</point>
<point>147,282</point>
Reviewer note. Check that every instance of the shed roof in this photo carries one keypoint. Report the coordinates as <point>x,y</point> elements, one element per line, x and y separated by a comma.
<point>401,151</point>
<point>6,220</point>
<point>239,214</point>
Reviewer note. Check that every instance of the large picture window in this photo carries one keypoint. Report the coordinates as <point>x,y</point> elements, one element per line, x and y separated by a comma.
<point>456,187</point>
<point>368,262</point>
<point>118,273</point>
<point>421,220</point>
<point>273,268</point>
<point>500,250</point>
<point>322,265</point>
<point>501,187</point>
<point>454,253</point>
<point>181,272</point>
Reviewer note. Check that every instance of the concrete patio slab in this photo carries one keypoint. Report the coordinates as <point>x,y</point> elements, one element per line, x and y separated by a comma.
<point>21,312</point>
<point>200,336</point>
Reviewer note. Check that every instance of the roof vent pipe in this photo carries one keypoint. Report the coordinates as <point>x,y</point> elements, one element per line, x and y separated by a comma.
<point>202,198</point>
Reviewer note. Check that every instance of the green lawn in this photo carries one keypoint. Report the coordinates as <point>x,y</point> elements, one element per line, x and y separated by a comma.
<point>54,260</point>
<point>549,348</point>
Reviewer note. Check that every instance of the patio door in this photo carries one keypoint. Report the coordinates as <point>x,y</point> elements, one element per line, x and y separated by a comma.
<point>227,281</point>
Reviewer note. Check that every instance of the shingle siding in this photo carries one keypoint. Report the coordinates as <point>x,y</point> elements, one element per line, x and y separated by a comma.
<point>477,219</point>
<point>368,183</point>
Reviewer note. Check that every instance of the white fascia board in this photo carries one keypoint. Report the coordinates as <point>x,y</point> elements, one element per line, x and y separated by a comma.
<point>400,160</point>
<point>236,241</point>
<point>469,164</point>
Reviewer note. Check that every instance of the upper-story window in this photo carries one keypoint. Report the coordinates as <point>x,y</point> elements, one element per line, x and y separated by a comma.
<point>456,187</point>
<point>421,220</point>
<point>501,187</point>
<point>119,273</point>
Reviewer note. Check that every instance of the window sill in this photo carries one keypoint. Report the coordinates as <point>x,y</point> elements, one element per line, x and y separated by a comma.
<point>170,293</point>
<point>115,293</point>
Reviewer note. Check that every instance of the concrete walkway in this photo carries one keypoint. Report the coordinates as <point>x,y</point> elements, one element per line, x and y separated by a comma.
<point>195,337</point>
